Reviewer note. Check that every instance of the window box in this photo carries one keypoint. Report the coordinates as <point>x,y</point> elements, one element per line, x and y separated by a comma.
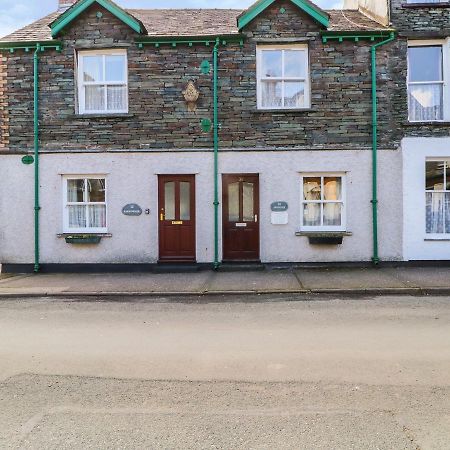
<point>87,239</point>
<point>325,238</point>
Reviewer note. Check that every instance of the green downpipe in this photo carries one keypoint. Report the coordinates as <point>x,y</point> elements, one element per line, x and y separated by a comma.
<point>36,157</point>
<point>374,201</point>
<point>216,153</point>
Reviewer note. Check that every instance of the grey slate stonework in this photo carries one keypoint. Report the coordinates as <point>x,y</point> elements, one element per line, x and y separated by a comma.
<point>414,22</point>
<point>340,116</point>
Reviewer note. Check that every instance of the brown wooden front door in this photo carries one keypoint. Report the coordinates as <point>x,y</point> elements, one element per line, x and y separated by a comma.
<point>176,218</point>
<point>240,217</point>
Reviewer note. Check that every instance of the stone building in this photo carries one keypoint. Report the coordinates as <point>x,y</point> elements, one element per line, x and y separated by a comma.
<point>212,135</point>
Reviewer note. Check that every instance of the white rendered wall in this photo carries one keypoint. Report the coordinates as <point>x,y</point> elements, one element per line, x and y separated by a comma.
<point>132,178</point>
<point>417,245</point>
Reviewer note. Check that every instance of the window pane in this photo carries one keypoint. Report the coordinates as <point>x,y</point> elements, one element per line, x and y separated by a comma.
<point>332,214</point>
<point>95,98</point>
<point>115,68</point>
<point>434,212</point>
<point>425,102</point>
<point>248,203</point>
<point>92,68</point>
<point>271,63</point>
<point>97,216</point>
<point>311,214</point>
<point>425,63</point>
<point>75,190</point>
<point>332,189</point>
<point>311,188</point>
<point>434,179</point>
<point>77,216</point>
<point>169,200</point>
<point>96,190</point>
<point>295,63</point>
<point>447,212</point>
<point>185,200</point>
<point>116,98</point>
<point>447,175</point>
<point>271,94</point>
<point>294,94</point>
<point>233,202</point>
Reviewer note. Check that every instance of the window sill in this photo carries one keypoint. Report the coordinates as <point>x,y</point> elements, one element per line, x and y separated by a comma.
<point>445,239</point>
<point>440,123</point>
<point>101,116</point>
<point>285,111</point>
<point>425,5</point>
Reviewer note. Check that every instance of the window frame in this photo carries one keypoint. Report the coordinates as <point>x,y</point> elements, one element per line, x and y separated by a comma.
<point>66,204</point>
<point>435,236</point>
<point>81,84</point>
<point>259,79</point>
<point>343,201</point>
<point>445,45</point>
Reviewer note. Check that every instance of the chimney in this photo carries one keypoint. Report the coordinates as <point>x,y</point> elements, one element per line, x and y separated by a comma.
<point>65,4</point>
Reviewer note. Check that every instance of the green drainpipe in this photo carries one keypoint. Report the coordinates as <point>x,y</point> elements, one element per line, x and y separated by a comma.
<point>375,258</point>
<point>216,153</point>
<point>36,157</point>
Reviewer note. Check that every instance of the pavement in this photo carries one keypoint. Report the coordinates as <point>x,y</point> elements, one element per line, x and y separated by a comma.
<point>305,281</point>
<point>339,374</point>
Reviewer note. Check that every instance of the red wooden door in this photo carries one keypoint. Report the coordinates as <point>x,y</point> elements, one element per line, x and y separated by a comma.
<point>240,217</point>
<point>176,218</point>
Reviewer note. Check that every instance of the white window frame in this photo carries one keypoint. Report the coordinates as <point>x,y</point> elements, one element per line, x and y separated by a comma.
<point>82,83</point>
<point>445,44</point>
<point>66,203</point>
<point>259,78</point>
<point>426,1</point>
<point>343,201</point>
<point>435,236</point>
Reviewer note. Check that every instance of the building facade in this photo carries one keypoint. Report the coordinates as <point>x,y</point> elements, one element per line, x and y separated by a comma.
<point>222,135</point>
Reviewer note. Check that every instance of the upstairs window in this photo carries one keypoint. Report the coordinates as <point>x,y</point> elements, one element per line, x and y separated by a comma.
<point>283,77</point>
<point>103,82</point>
<point>428,81</point>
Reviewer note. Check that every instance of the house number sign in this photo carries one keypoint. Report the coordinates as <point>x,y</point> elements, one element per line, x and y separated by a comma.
<point>132,210</point>
<point>279,206</point>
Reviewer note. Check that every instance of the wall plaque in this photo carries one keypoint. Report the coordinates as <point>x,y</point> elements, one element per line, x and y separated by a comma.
<point>132,210</point>
<point>279,206</point>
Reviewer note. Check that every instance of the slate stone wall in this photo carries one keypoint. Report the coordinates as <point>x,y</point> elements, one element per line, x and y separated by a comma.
<point>414,22</point>
<point>339,118</point>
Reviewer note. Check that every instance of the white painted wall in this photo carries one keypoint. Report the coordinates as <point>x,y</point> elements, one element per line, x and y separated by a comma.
<point>132,178</point>
<point>377,9</point>
<point>417,245</point>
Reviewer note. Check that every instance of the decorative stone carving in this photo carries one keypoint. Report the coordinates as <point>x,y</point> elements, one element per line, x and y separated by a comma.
<point>191,95</point>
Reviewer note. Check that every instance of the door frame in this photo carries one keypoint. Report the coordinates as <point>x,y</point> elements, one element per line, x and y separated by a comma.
<point>225,178</point>
<point>193,216</point>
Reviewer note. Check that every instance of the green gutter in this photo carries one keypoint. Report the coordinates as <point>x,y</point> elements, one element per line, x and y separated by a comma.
<point>38,48</point>
<point>216,152</point>
<point>36,156</point>
<point>387,36</point>
<point>375,258</point>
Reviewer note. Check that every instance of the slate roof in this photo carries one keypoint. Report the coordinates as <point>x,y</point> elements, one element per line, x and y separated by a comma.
<point>194,22</point>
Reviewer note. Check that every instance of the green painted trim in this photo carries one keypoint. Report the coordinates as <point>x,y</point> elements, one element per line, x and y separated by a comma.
<point>316,13</point>
<point>341,36</point>
<point>37,207</point>
<point>189,40</point>
<point>216,150</point>
<point>374,201</point>
<point>72,13</point>
<point>31,45</point>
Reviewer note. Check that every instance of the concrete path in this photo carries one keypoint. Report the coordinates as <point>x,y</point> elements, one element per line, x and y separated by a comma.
<point>341,374</point>
<point>342,281</point>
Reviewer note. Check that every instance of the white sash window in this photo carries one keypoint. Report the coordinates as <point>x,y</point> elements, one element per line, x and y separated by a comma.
<point>102,82</point>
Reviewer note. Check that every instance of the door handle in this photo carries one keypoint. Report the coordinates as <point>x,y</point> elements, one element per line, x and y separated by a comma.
<point>256,218</point>
<point>161,217</point>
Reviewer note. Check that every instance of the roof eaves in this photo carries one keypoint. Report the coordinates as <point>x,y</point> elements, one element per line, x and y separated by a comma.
<point>74,11</point>
<point>318,14</point>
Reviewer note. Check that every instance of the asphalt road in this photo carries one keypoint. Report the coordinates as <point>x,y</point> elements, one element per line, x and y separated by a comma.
<point>319,374</point>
